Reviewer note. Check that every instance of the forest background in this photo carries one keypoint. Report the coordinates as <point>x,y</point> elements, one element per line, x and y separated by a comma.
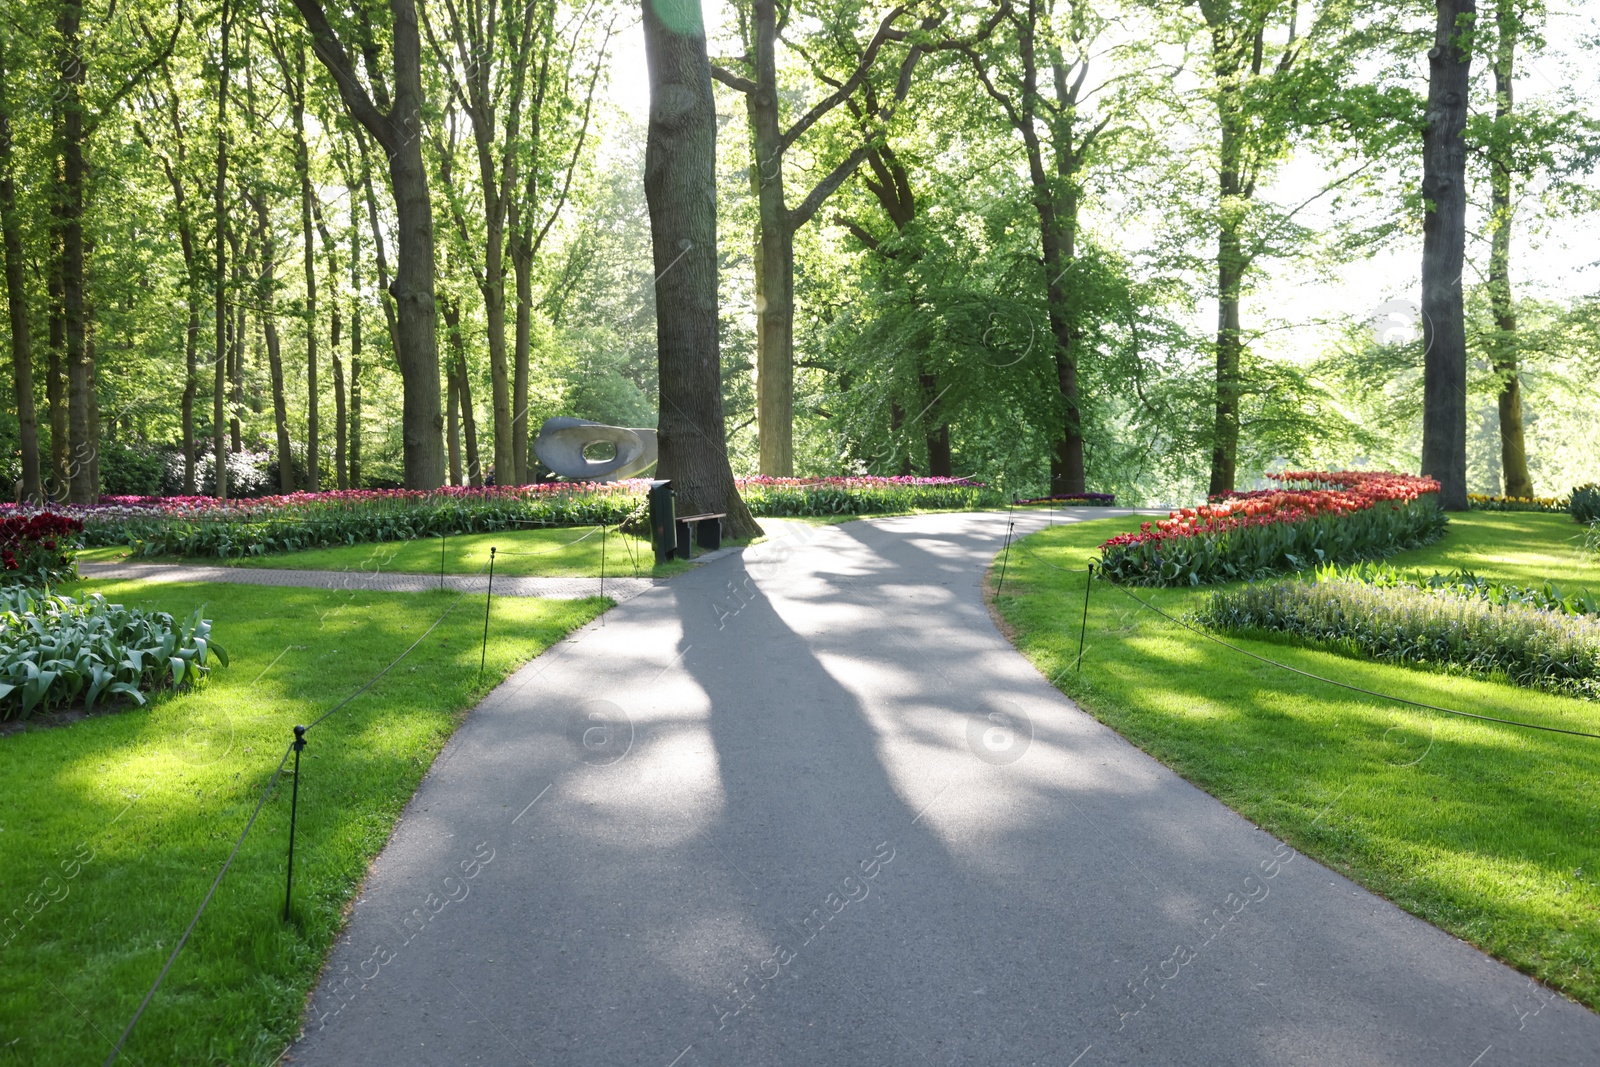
<point>1206,215</point>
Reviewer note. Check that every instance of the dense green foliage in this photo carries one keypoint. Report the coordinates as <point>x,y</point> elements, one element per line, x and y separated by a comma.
<point>1529,646</point>
<point>1484,830</point>
<point>57,650</point>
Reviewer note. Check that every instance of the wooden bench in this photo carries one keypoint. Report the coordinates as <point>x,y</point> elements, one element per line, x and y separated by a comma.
<point>703,530</point>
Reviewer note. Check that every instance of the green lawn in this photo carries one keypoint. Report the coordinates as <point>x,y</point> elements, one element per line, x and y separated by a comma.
<point>563,552</point>
<point>156,797</point>
<point>1490,832</point>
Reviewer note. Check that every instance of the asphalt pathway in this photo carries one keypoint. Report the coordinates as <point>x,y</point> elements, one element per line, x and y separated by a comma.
<point>805,806</point>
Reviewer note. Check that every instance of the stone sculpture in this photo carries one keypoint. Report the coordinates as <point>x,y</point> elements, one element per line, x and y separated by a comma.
<point>561,443</point>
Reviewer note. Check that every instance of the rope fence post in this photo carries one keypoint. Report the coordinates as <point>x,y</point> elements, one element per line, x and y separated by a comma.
<point>602,559</point>
<point>441,560</point>
<point>1083,627</point>
<point>1005,556</point>
<point>294,809</point>
<point>488,601</point>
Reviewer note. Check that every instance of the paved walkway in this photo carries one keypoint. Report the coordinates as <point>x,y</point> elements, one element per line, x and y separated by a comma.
<point>805,806</point>
<point>617,588</point>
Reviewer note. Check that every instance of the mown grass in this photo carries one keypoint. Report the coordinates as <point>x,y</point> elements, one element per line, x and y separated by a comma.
<point>561,552</point>
<point>1490,832</point>
<point>158,795</point>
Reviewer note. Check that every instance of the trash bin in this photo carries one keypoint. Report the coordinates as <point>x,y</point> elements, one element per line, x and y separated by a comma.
<point>663,520</point>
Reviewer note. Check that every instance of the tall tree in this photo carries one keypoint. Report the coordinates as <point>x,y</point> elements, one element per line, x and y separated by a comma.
<point>395,123</point>
<point>680,181</point>
<point>17,296</point>
<point>1444,234</point>
<point>761,28</point>
<point>1502,169</point>
<point>219,425</point>
<point>1036,72</point>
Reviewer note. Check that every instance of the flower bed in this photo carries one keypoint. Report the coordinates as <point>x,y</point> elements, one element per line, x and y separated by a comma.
<point>1532,647</point>
<point>204,527</point>
<point>1317,517</point>
<point>57,650</point>
<point>1484,502</point>
<point>36,550</point>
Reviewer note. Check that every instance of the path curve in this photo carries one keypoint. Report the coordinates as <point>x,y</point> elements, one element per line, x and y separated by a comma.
<point>785,810</point>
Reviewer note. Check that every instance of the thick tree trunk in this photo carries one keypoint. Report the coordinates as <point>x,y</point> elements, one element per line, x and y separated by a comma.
<point>397,129</point>
<point>17,304</point>
<point>1229,351</point>
<point>775,254</point>
<point>1506,361</point>
<point>680,184</point>
<point>1444,158</point>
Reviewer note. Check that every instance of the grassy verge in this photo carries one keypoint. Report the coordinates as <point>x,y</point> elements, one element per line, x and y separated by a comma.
<point>1490,832</point>
<point>562,552</point>
<point>143,806</point>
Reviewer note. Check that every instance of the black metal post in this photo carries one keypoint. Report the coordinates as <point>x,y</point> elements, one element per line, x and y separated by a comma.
<point>483,656</point>
<point>1083,627</point>
<point>441,561</point>
<point>294,808</point>
<point>1004,557</point>
<point>602,559</point>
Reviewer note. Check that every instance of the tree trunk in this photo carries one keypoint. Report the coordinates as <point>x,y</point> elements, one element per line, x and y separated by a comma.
<point>1230,347</point>
<point>219,425</point>
<point>236,360</point>
<point>457,370</point>
<point>17,302</point>
<point>1513,444</point>
<point>397,130</point>
<point>55,385</point>
<point>522,264</point>
<point>302,167</point>
<point>775,253</point>
<point>265,295</point>
<point>71,74</point>
<point>452,424</point>
<point>1444,158</point>
<point>355,346</point>
<point>680,183</point>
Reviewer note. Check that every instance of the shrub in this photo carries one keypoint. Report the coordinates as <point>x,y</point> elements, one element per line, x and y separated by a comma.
<point>37,550</point>
<point>776,497</point>
<point>1090,499</point>
<point>1484,502</point>
<point>247,473</point>
<point>1530,646</point>
<point>1585,503</point>
<point>137,469</point>
<point>1318,517</point>
<point>1462,582</point>
<point>55,650</point>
